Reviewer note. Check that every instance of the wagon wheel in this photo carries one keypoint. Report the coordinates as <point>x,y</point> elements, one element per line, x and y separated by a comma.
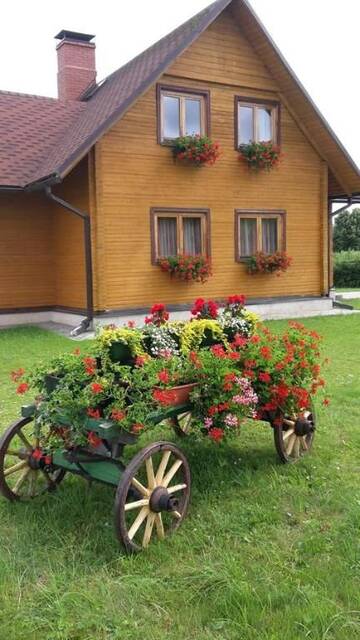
<point>153,495</point>
<point>21,477</point>
<point>294,436</point>
<point>182,423</point>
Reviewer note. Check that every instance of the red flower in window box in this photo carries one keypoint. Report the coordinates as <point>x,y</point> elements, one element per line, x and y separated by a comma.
<point>186,267</point>
<point>260,155</point>
<point>196,150</point>
<point>268,263</point>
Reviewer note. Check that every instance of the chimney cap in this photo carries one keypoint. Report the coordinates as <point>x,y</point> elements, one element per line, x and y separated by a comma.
<point>74,35</point>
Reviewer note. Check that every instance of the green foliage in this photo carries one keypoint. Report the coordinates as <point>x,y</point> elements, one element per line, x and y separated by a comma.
<point>347,231</point>
<point>201,333</point>
<point>347,269</point>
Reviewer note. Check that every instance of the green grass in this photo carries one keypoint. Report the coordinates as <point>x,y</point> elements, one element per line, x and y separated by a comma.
<point>345,290</point>
<point>268,552</point>
<point>354,302</point>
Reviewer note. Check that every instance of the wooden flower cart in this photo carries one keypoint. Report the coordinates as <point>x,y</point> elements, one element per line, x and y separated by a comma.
<point>152,490</point>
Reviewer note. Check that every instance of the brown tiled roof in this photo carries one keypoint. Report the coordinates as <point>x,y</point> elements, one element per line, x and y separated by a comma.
<point>30,126</point>
<point>41,137</point>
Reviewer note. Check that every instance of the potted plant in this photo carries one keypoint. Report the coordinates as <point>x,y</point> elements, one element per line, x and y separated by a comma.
<point>268,263</point>
<point>186,267</point>
<point>260,155</point>
<point>123,344</point>
<point>196,150</point>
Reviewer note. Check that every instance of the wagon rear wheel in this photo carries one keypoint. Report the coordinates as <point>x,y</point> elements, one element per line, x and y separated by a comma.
<point>21,478</point>
<point>294,435</point>
<point>153,496</point>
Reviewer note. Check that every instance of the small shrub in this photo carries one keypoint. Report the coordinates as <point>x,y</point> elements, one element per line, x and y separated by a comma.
<point>347,269</point>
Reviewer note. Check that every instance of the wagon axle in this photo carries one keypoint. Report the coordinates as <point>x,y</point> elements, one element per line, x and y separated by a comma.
<point>161,500</point>
<point>303,426</point>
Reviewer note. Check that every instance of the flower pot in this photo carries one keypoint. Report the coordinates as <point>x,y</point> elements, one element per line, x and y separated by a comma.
<point>51,382</point>
<point>120,352</point>
<point>181,394</point>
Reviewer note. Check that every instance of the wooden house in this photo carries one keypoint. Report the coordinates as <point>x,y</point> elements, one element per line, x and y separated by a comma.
<point>91,197</point>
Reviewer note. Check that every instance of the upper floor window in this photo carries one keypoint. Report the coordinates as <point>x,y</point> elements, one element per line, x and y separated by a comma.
<point>256,121</point>
<point>182,112</point>
<point>259,231</point>
<point>176,232</point>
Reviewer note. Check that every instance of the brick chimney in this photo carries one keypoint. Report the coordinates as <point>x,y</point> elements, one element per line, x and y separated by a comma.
<point>76,64</point>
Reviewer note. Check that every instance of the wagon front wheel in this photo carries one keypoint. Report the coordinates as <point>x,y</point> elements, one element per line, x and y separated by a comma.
<point>152,497</point>
<point>294,435</point>
<point>22,477</point>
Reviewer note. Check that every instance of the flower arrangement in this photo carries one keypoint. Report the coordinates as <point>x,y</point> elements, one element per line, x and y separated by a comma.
<point>260,155</point>
<point>268,263</point>
<point>196,150</point>
<point>284,369</point>
<point>234,366</point>
<point>187,268</point>
<point>203,309</point>
<point>235,320</point>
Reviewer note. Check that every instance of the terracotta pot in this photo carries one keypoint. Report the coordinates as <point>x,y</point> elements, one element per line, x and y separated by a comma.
<point>181,394</point>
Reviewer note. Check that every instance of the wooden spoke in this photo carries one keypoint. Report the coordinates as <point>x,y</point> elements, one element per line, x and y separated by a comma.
<point>288,433</point>
<point>304,443</point>
<point>21,480</point>
<point>296,450</point>
<point>290,444</point>
<point>136,505</point>
<point>24,440</point>
<point>289,423</point>
<point>176,487</point>
<point>170,474</point>
<point>32,483</point>
<point>13,452</point>
<point>148,529</point>
<point>150,473</point>
<point>162,467</point>
<point>140,487</point>
<point>159,526</point>
<point>141,506</point>
<point>138,522</point>
<point>15,467</point>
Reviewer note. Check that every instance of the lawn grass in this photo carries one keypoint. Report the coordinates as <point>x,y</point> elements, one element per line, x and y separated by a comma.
<point>268,552</point>
<point>354,302</point>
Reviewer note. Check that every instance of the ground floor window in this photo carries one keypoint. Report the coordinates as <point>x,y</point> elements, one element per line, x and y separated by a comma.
<point>259,231</point>
<point>179,231</point>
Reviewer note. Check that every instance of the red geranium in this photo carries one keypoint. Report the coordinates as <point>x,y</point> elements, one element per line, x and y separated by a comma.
<point>22,388</point>
<point>16,375</point>
<point>159,315</point>
<point>117,415</point>
<point>163,376</point>
<point>264,377</point>
<point>216,434</point>
<point>96,388</point>
<point>94,440</point>
<point>205,309</point>
<point>94,413</point>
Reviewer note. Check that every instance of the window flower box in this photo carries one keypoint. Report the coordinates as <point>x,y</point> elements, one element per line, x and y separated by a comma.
<point>260,155</point>
<point>196,150</point>
<point>187,268</point>
<point>268,263</point>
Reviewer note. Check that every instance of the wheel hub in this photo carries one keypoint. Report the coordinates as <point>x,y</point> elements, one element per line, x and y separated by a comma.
<point>161,500</point>
<point>303,426</point>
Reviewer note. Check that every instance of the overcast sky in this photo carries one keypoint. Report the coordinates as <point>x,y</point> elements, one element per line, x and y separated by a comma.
<point>319,38</point>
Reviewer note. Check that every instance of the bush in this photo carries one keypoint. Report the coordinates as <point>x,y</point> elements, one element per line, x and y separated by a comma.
<point>347,269</point>
<point>347,231</point>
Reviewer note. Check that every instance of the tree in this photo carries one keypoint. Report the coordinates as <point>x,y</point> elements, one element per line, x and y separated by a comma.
<point>347,231</point>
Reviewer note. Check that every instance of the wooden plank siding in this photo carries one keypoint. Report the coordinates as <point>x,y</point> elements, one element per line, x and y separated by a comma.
<point>134,173</point>
<point>26,274</point>
<point>68,239</point>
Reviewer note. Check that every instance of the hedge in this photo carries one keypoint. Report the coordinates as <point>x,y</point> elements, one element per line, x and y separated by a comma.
<point>347,269</point>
